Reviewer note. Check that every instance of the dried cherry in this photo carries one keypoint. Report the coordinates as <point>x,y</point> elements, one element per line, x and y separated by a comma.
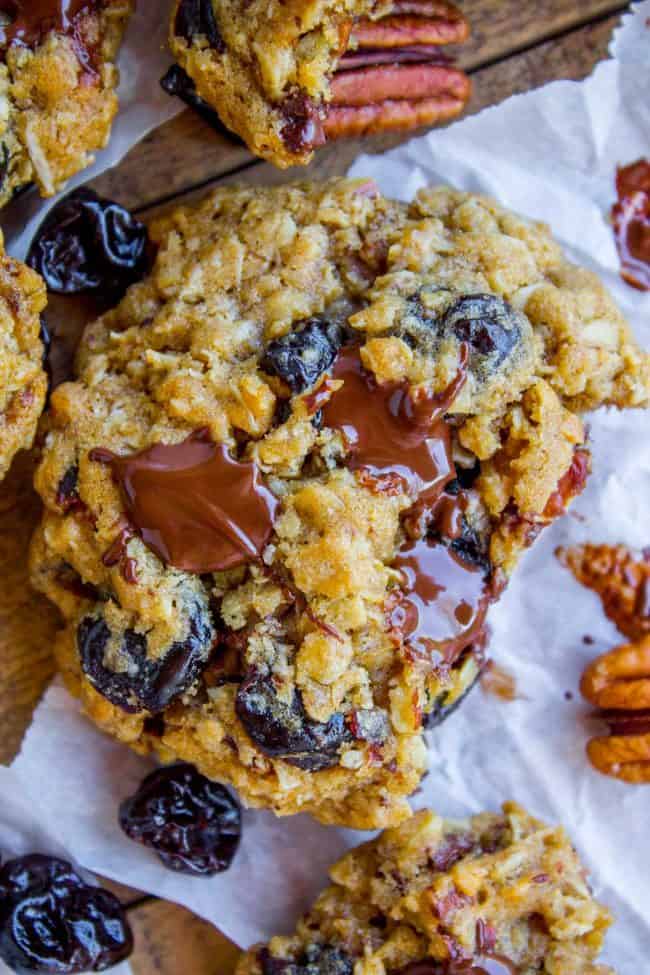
<point>88,243</point>
<point>193,824</point>
<point>196,17</point>
<point>51,921</point>
<point>487,324</point>
<point>143,683</point>
<point>285,730</point>
<point>301,356</point>
<point>315,960</point>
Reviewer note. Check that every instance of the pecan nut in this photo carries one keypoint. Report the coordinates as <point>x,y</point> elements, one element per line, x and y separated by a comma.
<point>393,75</point>
<point>618,684</point>
<point>621,580</point>
<point>619,679</point>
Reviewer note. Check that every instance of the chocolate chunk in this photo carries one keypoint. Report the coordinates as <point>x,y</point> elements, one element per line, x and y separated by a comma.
<point>303,129</point>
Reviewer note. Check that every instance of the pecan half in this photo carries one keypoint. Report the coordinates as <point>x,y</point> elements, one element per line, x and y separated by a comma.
<point>618,683</point>
<point>393,75</point>
<point>620,678</point>
<point>620,579</point>
<point>625,757</point>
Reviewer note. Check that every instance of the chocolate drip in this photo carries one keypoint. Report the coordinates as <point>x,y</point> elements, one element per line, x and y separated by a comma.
<point>391,432</point>
<point>443,601</point>
<point>398,439</point>
<point>193,504</point>
<point>631,219</point>
<point>31,19</point>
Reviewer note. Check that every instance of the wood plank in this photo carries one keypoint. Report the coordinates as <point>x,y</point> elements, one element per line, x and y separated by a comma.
<point>571,57</point>
<point>185,152</point>
<point>169,940</point>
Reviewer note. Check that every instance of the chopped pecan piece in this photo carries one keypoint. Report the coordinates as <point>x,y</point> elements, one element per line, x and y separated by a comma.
<point>620,579</point>
<point>402,22</point>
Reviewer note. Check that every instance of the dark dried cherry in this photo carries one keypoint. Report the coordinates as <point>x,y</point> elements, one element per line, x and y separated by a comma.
<point>178,83</point>
<point>315,960</point>
<point>193,824</point>
<point>285,730</point>
<point>301,356</point>
<point>486,323</point>
<point>195,17</point>
<point>88,243</point>
<point>143,683</point>
<point>51,921</point>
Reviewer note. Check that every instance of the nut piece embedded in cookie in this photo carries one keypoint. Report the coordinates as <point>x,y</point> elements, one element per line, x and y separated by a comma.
<point>498,893</point>
<point>23,383</point>
<point>298,463</point>
<point>288,81</point>
<point>57,82</point>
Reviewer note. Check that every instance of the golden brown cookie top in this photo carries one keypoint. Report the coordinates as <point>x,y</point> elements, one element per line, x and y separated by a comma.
<point>500,892</point>
<point>23,383</point>
<point>57,88</point>
<point>386,403</point>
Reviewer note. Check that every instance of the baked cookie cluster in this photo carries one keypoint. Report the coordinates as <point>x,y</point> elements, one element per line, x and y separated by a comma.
<point>57,88</point>
<point>298,463</point>
<point>497,894</point>
<point>288,78</point>
<point>23,382</point>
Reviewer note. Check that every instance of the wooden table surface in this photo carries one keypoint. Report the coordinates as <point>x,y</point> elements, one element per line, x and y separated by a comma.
<point>516,45</point>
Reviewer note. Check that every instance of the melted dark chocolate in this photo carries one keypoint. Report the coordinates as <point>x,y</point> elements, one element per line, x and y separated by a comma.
<point>303,129</point>
<point>31,19</point>
<point>631,219</point>
<point>443,603</point>
<point>388,432</point>
<point>193,504</point>
<point>392,434</point>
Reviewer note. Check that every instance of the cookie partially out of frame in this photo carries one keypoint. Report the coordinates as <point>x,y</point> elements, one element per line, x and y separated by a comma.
<point>23,382</point>
<point>497,894</point>
<point>57,88</point>
<point>298,463</point>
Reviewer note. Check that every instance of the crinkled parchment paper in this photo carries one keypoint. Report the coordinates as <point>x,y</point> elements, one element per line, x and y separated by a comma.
<point>552,155</point>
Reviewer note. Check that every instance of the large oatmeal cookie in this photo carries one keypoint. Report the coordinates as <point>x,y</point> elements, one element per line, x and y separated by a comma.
<point>23,383</point>
<point>299,461</point>
<point>57,88</point>
<point>497,894</point>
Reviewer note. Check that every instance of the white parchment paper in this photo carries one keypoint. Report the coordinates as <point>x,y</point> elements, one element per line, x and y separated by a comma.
<point>550,154</point>
<point>142,61</point>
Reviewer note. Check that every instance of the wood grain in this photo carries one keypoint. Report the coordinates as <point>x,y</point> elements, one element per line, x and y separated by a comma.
<point>185,153</point>
<point>169,940</point>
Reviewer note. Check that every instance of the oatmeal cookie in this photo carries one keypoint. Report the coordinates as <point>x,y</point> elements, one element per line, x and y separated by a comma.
<point>298,462</point>
<point>23,383</point>
<point>57,88</point>
<point>287,77</point>
<point>497,894</point>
